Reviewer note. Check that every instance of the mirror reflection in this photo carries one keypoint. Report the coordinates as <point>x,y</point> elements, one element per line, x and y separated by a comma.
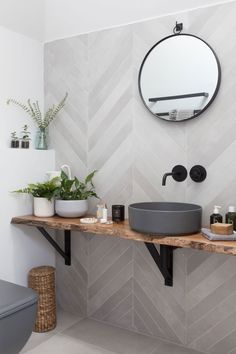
<point>179,77</point>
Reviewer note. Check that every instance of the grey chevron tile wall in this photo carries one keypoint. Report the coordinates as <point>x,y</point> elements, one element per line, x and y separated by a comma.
<point>106,127</point>
<point>72,281</point>
<point>211,139</point>
<point>110,113</point>
<point>110,281</point>
<point>152,139</point>
<point>66,70</point>
<point>158,310</point>
<point>210,296</point>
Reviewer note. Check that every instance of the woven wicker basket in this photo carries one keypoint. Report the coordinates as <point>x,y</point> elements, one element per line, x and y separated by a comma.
<point>42,280</point>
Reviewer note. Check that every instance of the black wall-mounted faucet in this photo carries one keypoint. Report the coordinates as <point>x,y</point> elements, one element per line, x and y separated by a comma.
<point>179,174</point>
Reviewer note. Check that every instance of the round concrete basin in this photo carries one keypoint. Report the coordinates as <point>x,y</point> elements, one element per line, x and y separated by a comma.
<point>163,218</point>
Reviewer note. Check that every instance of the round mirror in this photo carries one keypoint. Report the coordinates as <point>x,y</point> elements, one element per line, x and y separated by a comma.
<point>179,77</point>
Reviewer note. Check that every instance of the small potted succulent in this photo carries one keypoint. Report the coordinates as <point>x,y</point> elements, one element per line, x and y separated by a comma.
<point>15,142</point>
<point>43,194</point>
<point>72,196</point>
<point>25,140</point>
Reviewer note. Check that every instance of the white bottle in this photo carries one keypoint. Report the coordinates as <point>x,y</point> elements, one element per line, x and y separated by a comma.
<point>103,220</point>
<point>104,213</point>
<point>100,211</point>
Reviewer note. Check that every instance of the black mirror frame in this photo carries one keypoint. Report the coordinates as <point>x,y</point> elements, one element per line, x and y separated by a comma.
<point>213,96</point>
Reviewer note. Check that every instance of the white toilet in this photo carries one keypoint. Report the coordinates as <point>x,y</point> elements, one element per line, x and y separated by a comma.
<point>18,307</point>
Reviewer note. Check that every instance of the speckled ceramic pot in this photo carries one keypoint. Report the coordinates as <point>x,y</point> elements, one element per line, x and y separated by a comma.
<point>71,208</point>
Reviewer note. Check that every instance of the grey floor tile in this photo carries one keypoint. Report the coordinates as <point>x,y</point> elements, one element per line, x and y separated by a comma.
<point>36,339</point>
<point>60,344</point>
<point>111,338</point>
<point>170,348</point>
<point>64,321</point>
<point>92,337</point>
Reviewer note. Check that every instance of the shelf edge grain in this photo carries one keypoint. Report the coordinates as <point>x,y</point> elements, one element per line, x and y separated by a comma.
<point>122,230</point>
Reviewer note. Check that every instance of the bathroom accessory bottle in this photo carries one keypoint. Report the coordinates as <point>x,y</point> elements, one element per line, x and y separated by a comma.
<point>230,217</point>
<point>100,211</point>
<point>104,212</point>
<point>216,216</point>
<point>103,219</point>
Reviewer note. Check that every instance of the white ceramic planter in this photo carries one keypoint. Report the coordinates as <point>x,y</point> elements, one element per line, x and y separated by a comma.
<point>71,208</point>
<point>43,207</point>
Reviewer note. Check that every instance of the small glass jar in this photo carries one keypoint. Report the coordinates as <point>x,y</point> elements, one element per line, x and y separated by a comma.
<point>41,139</point>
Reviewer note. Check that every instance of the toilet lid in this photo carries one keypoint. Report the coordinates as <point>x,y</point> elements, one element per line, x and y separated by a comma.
<point>14,298</point>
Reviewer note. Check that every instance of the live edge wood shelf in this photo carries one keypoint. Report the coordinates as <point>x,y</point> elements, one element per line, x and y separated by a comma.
<point>168,244</point>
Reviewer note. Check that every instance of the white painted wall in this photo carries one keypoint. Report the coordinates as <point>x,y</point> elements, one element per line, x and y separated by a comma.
<point>21,73</point>
<point>46,20</point>
<point>24,16</point>
<point>21,247</point>
<point>65,18</point>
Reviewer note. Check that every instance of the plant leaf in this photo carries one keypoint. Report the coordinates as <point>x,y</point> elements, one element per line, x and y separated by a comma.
<point>89,178</point>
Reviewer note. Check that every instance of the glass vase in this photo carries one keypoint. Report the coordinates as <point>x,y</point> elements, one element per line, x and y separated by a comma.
<point>41,139</point>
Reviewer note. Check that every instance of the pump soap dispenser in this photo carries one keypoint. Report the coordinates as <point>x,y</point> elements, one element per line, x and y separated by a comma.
<point>230,217</point>
<point>216,216</point>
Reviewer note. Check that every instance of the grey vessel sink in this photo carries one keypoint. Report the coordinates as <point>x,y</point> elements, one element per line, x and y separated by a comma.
<point>163,218</point>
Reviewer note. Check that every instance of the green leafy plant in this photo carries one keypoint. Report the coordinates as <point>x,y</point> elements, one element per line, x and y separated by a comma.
<point>25,133</point>
<point>73,189</point>
<point>14,136</point>
<point>34,111</point>
<point>47,189</point>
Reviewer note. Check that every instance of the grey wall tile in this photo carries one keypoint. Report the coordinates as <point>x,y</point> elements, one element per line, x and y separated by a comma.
<point>72,280</point>
<point>105,126</point>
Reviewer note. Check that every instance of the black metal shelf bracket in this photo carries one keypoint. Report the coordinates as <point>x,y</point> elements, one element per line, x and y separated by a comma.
<point>163,260</point>
<point>66,254</point>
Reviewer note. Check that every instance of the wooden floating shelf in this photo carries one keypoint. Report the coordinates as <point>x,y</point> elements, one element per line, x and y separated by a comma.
<point>196,241</point>
<point>163,259</point>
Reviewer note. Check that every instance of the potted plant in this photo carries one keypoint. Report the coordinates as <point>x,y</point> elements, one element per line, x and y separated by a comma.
<point>42,122</point>
<point>15,142</point>
<point>25,140</point>
<point>43,194</point>
<point>72,196</point>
